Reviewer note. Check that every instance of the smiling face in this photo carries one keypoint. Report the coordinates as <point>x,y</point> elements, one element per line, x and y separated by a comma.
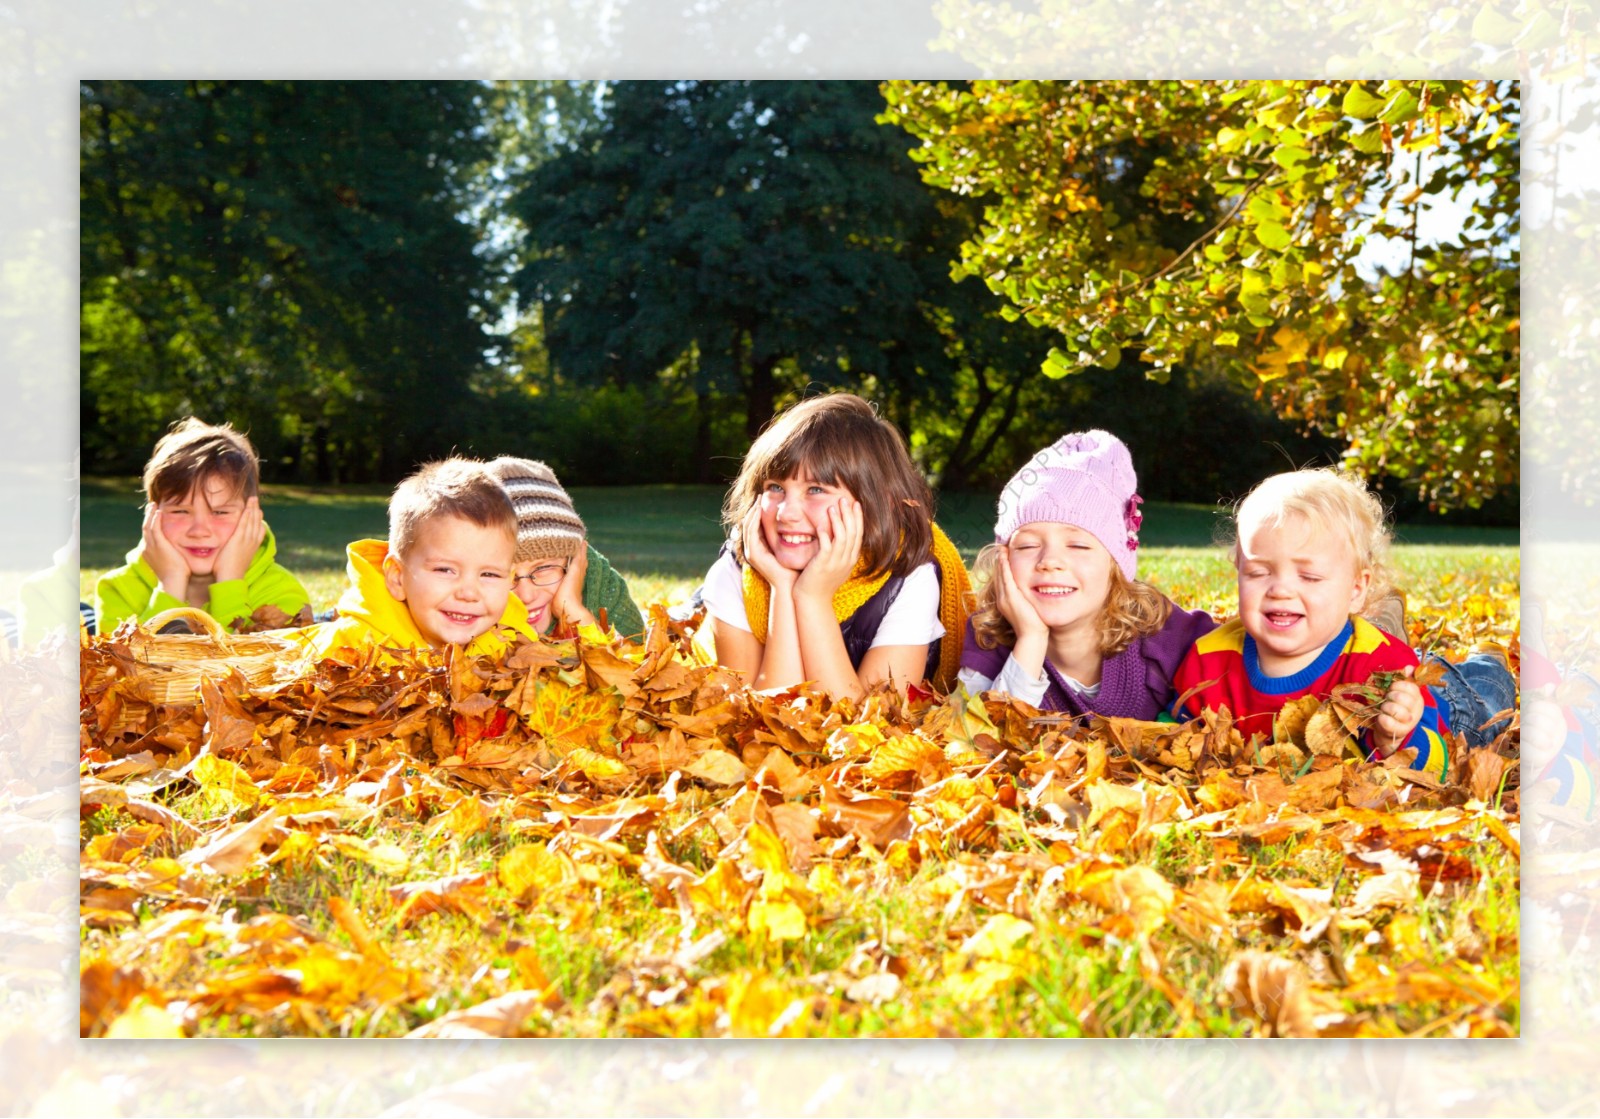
<point>456,579</point>
<point>791,510</point>
<point>536,583</point>
<point>202,521</point>
<point>1064,572</point>
<point>1298,586</point>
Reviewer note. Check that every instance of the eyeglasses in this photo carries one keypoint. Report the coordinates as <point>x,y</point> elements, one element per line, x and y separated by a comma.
<point>547,576</point>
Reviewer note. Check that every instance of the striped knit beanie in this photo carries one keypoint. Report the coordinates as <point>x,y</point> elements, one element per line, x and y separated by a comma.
<point>1084,479</point>
<point>548,527</point>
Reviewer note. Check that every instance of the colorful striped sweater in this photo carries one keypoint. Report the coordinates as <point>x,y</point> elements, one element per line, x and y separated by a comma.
<point>1227,657</point>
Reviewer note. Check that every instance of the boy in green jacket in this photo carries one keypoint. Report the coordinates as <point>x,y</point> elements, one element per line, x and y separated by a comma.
<point>204,541</point>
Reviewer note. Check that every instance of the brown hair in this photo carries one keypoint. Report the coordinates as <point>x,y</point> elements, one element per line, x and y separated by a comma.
<point>1133,608</point>
<point>840,440</point>
<point>454,487</point>
<point>192,452</point>
<point>1330,500</point>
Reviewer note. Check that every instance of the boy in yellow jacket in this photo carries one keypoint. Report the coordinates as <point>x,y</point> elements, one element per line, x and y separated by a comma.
<point>443,578</point>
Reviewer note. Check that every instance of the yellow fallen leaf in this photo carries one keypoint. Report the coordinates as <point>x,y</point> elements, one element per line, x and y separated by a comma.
<point>144,1020</point>
<point>718,767</point>
<point>220,776</point>
<point>389,858</point>
<point>1139,891</point>
<point>532,866</point>
<point>722,889</point>
<point>760,1006</point>
<point>465,819</point>
<point>595,766</point>
<point>1001,938</point>
<point>780,920</point>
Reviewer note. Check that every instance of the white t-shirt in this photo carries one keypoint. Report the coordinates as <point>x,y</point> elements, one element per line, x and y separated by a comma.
<point>1014,682</point>
<point>912,619</point>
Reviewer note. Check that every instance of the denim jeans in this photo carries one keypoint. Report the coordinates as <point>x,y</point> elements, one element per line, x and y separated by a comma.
<point>1475,691</point>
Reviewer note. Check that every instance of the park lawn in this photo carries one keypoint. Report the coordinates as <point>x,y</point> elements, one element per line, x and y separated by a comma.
<point>663,538</point>
<point>377,887</point>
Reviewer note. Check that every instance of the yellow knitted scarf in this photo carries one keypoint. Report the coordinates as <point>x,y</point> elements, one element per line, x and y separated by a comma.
<point>954,584</point>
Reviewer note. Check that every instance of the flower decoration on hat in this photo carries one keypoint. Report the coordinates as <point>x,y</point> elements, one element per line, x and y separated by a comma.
<point>1132,518</point>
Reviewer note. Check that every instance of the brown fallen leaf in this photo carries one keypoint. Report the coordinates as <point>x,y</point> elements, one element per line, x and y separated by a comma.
<point>1485,771</point>
<point>1274,991</point>
<point>502,1016</point>
<point>1289,725</point>
<point>105,991</point>
<point>878,820</point>
<point>237,849</point>
<point>461,893</point>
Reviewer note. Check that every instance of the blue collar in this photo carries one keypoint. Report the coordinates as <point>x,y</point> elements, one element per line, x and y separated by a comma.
<point>1299,681</point>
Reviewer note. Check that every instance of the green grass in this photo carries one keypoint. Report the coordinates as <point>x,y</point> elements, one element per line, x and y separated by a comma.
<point>662,538</point>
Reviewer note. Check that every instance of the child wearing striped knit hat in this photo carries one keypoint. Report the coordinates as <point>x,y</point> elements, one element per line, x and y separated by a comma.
<point>557,574</point>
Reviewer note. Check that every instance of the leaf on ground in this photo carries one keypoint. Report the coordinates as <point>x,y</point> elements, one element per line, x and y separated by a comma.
<point>459,893</point>
<point>717,767</point>
<point>389,858</point>
<point>1274,991</point>
<point>236,849</point>
<point>502,1016</point>
<point>530,867</point>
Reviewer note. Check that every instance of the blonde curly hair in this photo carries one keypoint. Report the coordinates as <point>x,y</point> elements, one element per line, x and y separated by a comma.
<point>1329,500</point>
<point>1133,608</point>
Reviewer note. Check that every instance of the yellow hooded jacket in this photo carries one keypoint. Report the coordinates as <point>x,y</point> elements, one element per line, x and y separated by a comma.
<point>370,615</point>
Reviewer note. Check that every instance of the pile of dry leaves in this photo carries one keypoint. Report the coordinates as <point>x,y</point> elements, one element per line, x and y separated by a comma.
<point>743,863</point>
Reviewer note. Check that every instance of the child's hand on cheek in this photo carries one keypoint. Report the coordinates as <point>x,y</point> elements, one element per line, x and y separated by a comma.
<point>233,558</point>
<point>1398,716</point>
<point>1013,604</point>
<point>759,556</point>
<point>170,567</point>
<point>568,604</point>
<point>838,550</point>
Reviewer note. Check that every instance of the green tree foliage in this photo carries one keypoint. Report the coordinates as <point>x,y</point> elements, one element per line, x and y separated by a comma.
<point>765,234</point>
<point>1280,185</point>
<point>290,256</point>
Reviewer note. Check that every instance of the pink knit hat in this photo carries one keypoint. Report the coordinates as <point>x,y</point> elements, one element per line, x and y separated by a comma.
<point>1084,479</point>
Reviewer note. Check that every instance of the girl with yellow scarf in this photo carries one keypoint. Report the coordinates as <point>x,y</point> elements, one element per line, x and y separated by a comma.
<point>835,571</point>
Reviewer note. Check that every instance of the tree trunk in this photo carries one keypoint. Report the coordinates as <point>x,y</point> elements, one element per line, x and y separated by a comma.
<point>704,473</point>
<point>761,399</point>
<point>324,454</point>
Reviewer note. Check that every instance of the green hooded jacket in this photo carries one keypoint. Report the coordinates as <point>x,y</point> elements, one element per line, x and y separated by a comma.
<point>604,588</point>
<point>134,591</point>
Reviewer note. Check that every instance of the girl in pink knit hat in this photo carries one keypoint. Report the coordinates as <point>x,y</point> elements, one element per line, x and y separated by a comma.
<point>1060,620</point>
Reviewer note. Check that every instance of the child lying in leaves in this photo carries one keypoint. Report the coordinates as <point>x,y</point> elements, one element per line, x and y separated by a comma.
<point>444,577</point>
<point>1309,551</point>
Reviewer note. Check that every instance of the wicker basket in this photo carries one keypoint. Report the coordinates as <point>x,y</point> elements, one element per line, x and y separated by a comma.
<point>173,664</point>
